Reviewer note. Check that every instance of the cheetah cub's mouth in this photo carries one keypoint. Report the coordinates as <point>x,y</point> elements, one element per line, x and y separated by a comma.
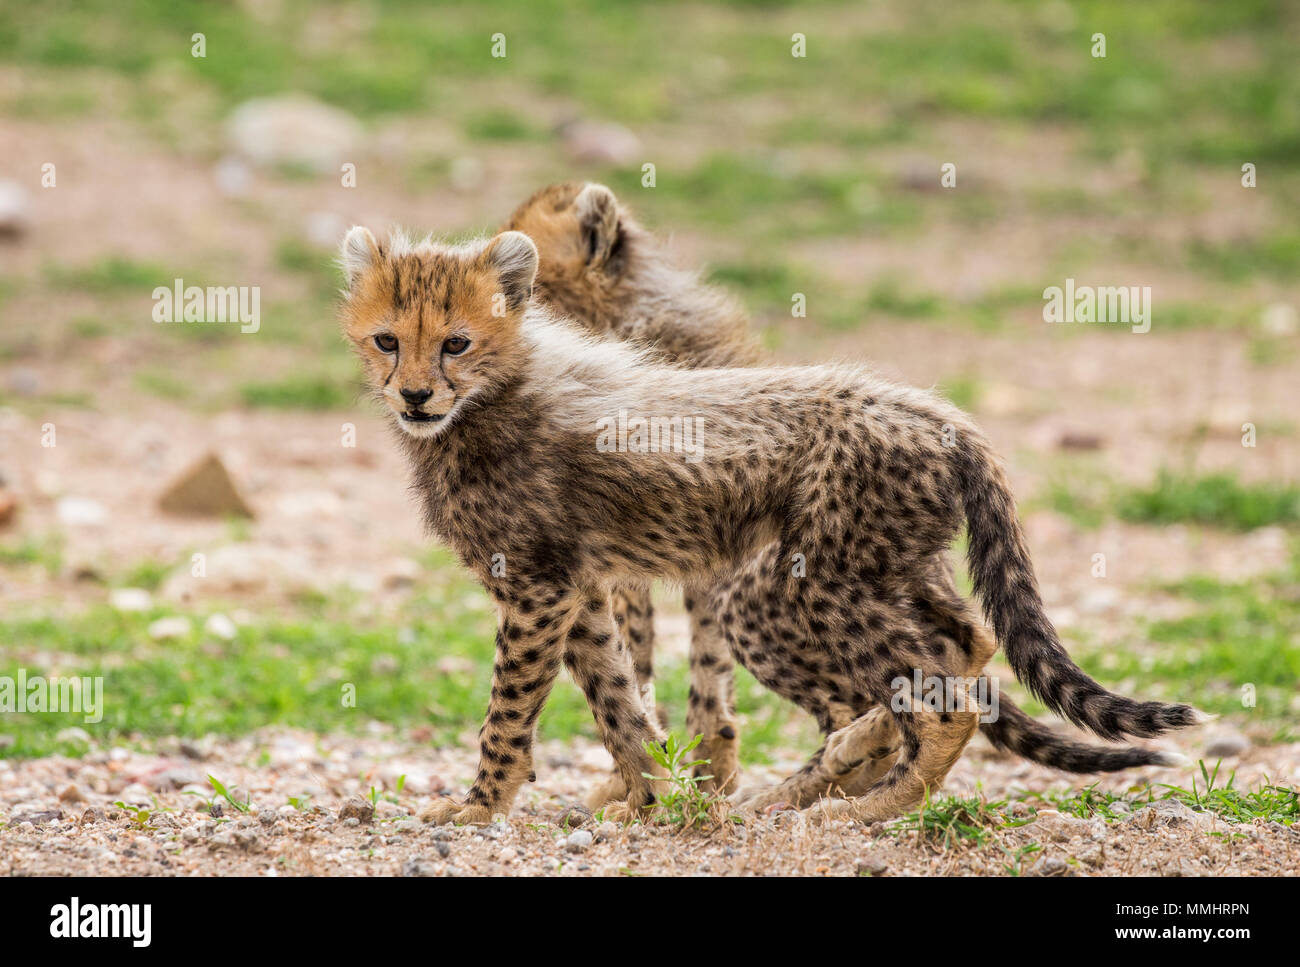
<point>413,417</point>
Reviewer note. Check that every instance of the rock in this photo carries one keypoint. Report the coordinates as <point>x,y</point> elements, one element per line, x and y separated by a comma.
<point>443,848</point>
<point>871,866</point>
<point>92,815</point>
<point>136,794</point>
<point>268,817</point>
<point>574,815</point>
<point>130,600</point>
<point>595,142</point>
<point>169,629</point>
<point>192,750</point>
<point>245,569</point>
<point>401,572</point>
<point>1080,440</point>
<point>22,381</point>
<point>362,810</point>
<point>418,866</point>
<point>1049,866</point>
<point>1223,745</point>
<point>1057,827</point>
<point>1092,855</point>
<point>41,817</point>
<point>578,841</point>
<point>466,174</point>
<point>8,508</point>
<point>74,735</point>
<point>324,229</point>
<point>507,855</point>
<point>220,626</point>
<point>80,512</point>
<point>312,505</point>
<point>204,489</point>
<point>293,129</point>
<point>1278,319</point>
<point>1166,813</point>
<point>14,209</point>
<point>606,832</point>
<point>71,793</point>
<point>233,177</point>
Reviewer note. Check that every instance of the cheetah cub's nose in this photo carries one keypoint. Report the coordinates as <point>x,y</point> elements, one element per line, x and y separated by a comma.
<point>416,396</point>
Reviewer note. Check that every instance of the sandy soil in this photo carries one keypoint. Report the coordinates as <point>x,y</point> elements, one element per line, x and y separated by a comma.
<point>58,816</point>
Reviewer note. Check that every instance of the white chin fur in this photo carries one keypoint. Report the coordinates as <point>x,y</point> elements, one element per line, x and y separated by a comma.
<point>426,431</point>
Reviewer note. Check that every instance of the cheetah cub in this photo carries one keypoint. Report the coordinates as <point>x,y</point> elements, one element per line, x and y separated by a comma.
<point>601,268</point>
<point>505,413</point>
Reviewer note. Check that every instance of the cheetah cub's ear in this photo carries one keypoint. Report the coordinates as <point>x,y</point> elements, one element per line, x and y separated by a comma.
<point>513,256</point>
<point>360,253</point>
<point>597,210</point>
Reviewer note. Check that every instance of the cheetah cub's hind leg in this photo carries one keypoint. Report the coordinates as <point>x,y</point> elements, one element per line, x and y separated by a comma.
<point>848,762</point>
<point>711,709</point>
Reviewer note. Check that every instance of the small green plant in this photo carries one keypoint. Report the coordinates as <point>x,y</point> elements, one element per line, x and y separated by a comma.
<point>1089,803</point>
<point>950,821</point>
<point>242,807</point>
<point>1017,856</point>
<point>682,803</point>
<point>140,815</point>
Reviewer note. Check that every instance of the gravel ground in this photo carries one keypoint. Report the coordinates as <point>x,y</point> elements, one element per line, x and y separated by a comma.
<point>58,817</point>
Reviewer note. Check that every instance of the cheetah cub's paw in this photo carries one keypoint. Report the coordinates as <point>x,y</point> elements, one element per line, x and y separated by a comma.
<point>869,737</point>
<point>722,749</point>
<point>443,811</point>
<point>625,813</point>
<point>609,790</point>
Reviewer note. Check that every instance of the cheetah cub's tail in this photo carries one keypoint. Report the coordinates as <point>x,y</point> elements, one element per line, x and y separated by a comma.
<point>1028,738</point>
<point>1003,577</point>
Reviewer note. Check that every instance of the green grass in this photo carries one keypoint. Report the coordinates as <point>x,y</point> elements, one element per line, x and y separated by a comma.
<point>46,553</point>
<point>304,392</point>
<point>1208,793</point>
<point>427,664</point>
<point>1219,500</point>
<point>111,274</point>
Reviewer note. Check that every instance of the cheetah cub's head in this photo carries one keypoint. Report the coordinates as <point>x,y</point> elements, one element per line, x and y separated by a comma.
<point>589,247</point>
<point>437,327</point>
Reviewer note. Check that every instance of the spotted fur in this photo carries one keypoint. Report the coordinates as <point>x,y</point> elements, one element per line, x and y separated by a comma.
<point>866,480</point>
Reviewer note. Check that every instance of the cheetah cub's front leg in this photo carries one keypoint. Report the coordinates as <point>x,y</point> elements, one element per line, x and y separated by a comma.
<point>530,646</point>
<point>599,667</point>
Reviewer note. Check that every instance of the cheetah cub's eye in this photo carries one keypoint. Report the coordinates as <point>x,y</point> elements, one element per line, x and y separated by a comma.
<point>455,345</point>
<point>386,342</point>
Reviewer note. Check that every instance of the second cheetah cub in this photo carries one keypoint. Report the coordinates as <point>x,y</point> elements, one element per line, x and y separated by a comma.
<point>506,416</point>
<point>599,266</point>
